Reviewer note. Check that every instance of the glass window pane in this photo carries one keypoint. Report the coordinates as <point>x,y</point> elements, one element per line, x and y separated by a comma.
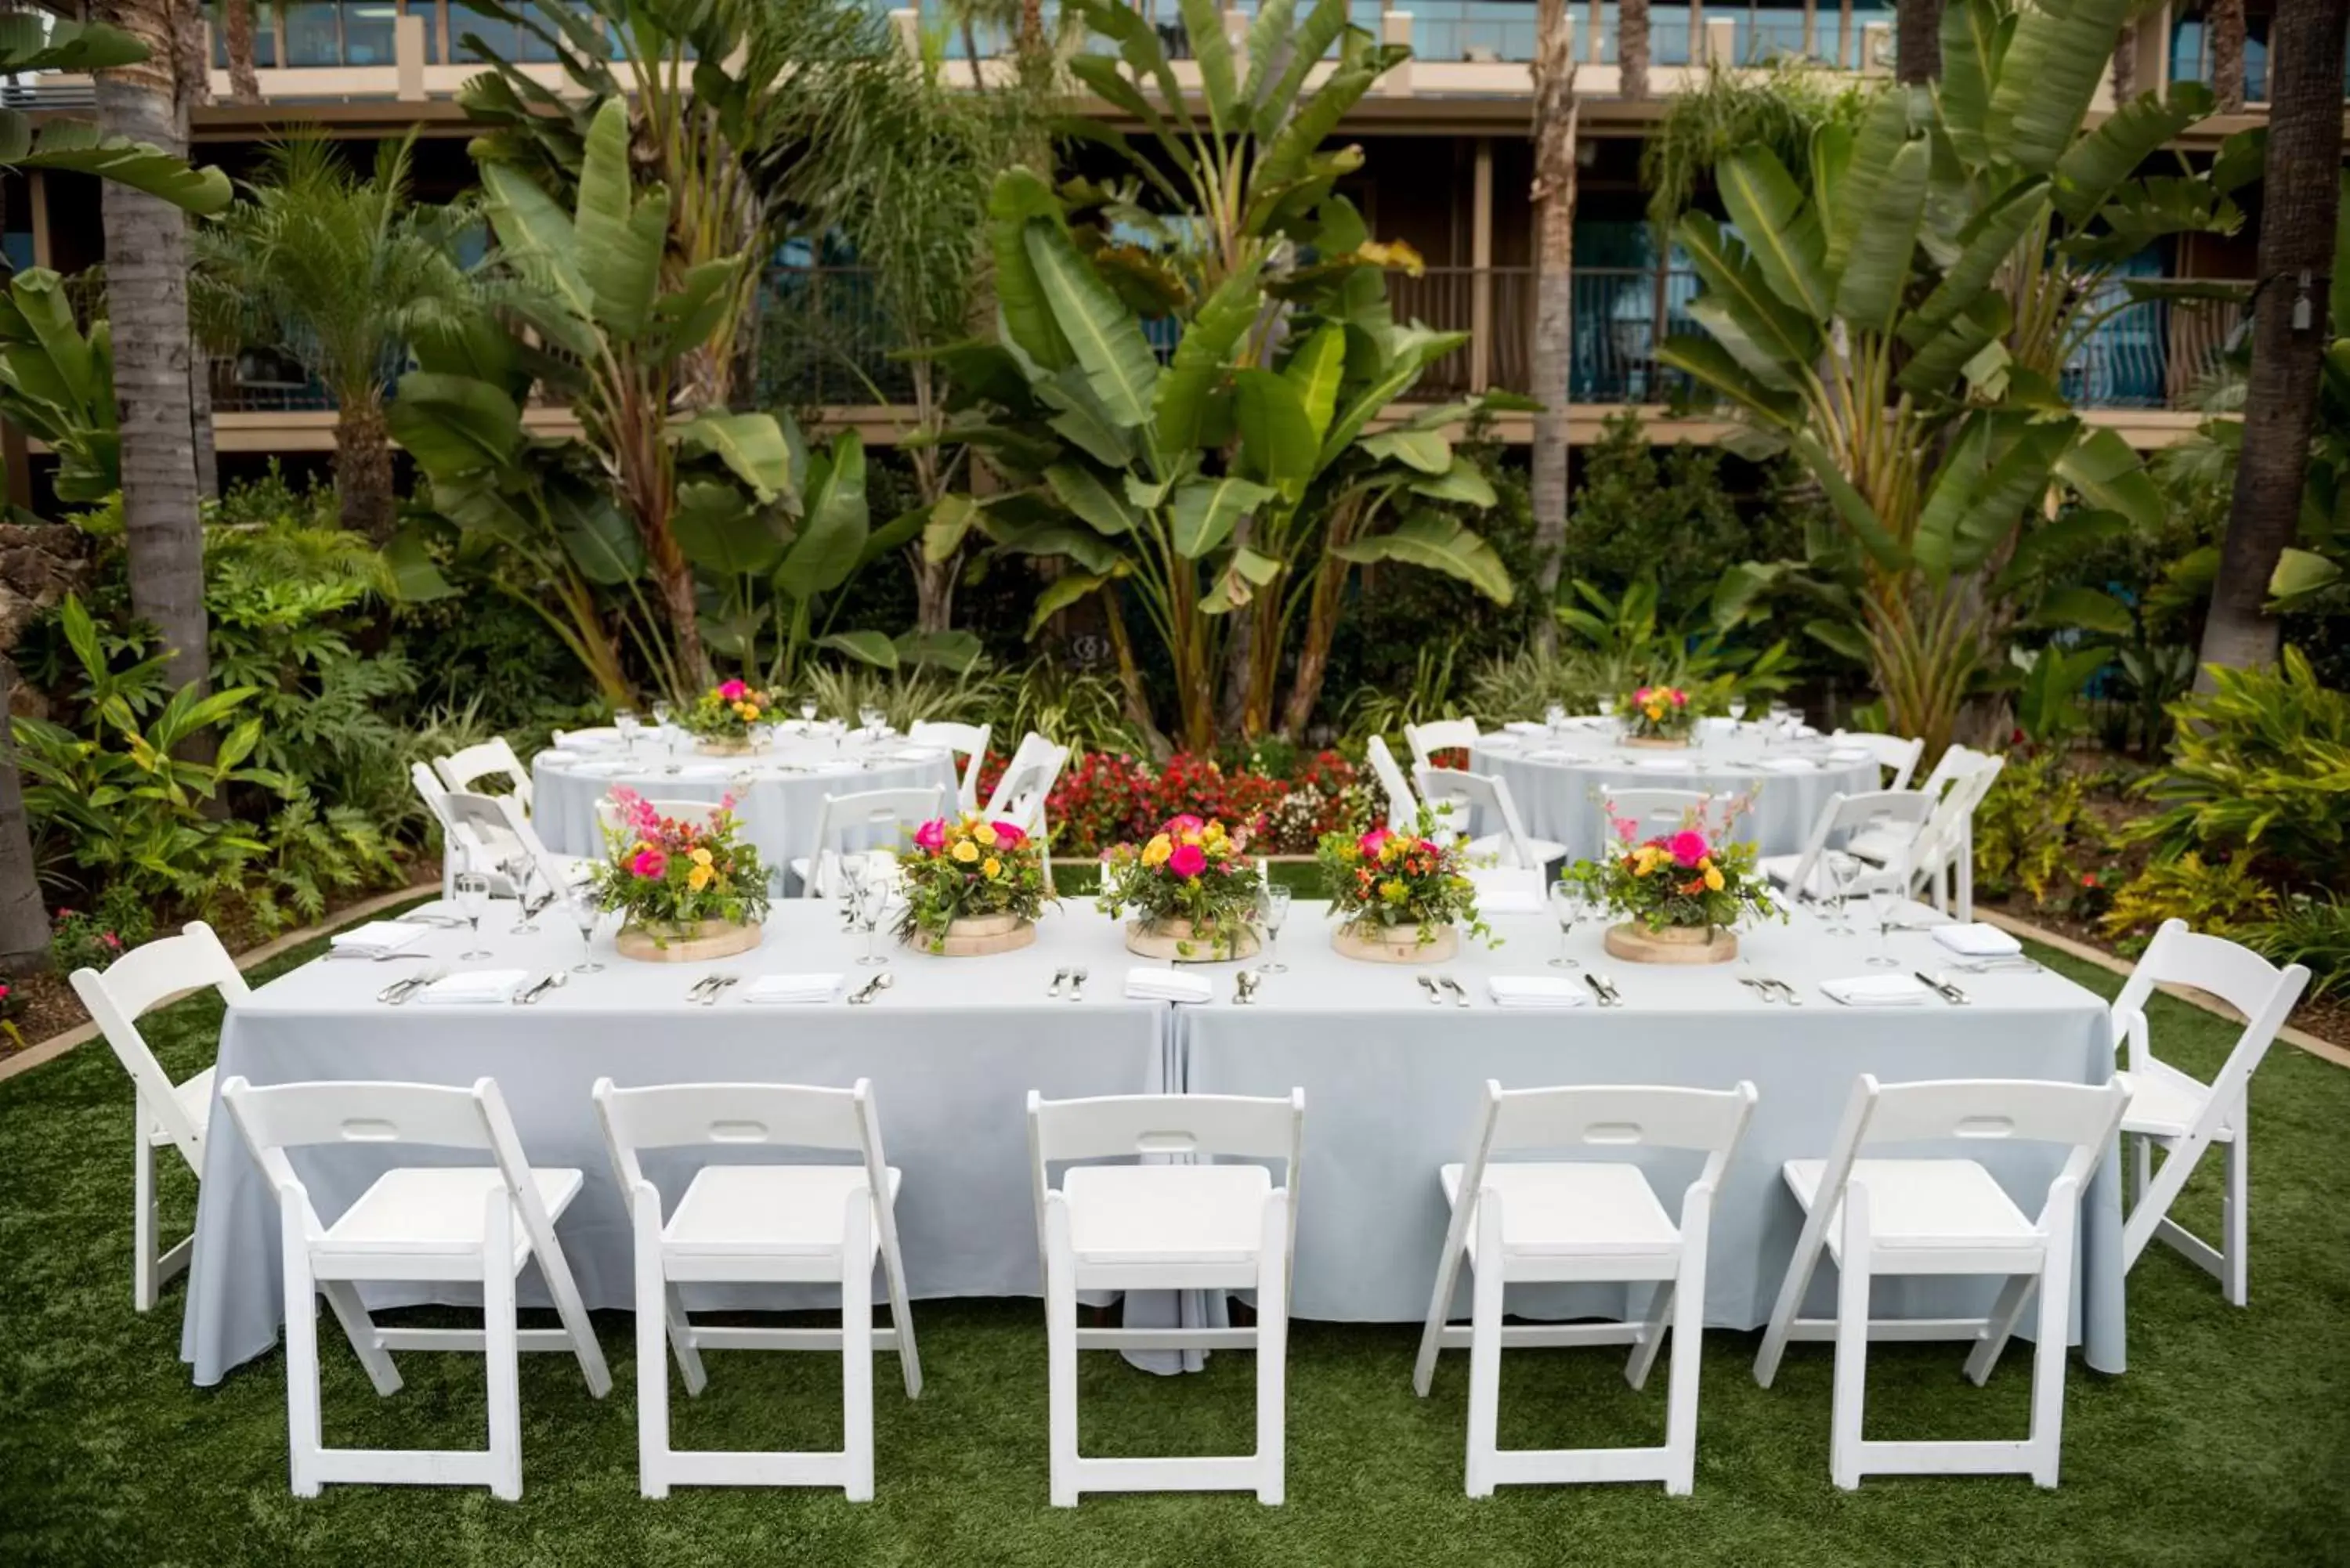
<point>313,36</point>
<point>368,33</point>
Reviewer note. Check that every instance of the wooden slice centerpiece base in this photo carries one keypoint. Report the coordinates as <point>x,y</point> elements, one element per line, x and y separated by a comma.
<point>1396,944</point>
<point>1180,941</point>
<point>1675,944</point>
<point>687,944</point>
<point>980,935</point>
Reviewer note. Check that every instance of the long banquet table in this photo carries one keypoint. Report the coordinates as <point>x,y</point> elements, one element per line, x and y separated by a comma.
<point>1391,1089</point>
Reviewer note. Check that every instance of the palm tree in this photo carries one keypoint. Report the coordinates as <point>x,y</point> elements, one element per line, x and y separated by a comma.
<point>2225,19</point>
<point>343,272</point>
<point>1917,40</point>
<point>2301,206</point>
<point>1554,347</point>
<point>236,41</point>
<point>1632,47</point>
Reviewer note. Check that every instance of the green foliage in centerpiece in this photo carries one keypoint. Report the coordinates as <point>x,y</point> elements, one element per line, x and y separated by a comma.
<point>1699,878</point>
<point>666,877</point>
<point>1658,712</point>
<point>1384,878</point>
<point>1189,870</point>
<point>727,712</point>
<point>968,868</point>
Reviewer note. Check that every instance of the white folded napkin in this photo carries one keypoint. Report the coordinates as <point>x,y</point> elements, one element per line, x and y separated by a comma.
<point>1165,982</point>
<point>378,938</point>
<point>1527,727</point>
<point>1550,755</point>
<point>793,988</point>
<point>476,985</point>
<point>1788,765</point>
<point>1533,991</point>
<point>1878,991</point>
<point>1981,939</point>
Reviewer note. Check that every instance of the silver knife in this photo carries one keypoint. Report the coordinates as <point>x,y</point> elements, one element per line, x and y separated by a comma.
<point>1942,988</point>
<point>535,989</point>
<point>1597,989</point>
<point>718,984</point>
<point>1429,986</point>
<point>1454,986</point>
<point>1786,992</point>
<point>1615,997</point>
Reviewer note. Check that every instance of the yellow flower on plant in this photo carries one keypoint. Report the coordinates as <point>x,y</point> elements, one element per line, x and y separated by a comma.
<point>699,857</point>
<point>965,852</point>
<point>699,877</point>
<point>1713,878</point>
<point>1392,848</point>
<point>986,836</point>
<point>1392,890</point>
<point>1156,852</point>
<point>993,867</point>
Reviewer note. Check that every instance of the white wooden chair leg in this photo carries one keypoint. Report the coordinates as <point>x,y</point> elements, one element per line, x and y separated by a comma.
<point>856,1345</point>
<point>2055,1330</point>
<point>2236,1216</point>
<point>305,1434</point>
<point>360,1329</point>
<point>681,1336</point>
<point>1851,1341</point>
<point>502,1349</point>
<point>2005,1313</point>
<point>1273,1352</point>
<point>556,1272</point>
<point>145,1287</point>
<point>901,1315</point>
<point>1653,1327</point>
<point>1485,1346</point>
<point>1791,1291</point>
<point>2144,1165</point>
<point>1439,1307</point>
<point>1688,1345</point>
<point>655,1333</point>
<point>1061,1351</point>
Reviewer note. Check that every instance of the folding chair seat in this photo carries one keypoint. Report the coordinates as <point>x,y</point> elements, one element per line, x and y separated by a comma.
<point>1805,874</point>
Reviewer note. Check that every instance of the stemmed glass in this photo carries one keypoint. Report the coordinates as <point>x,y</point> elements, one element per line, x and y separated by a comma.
<point>1272,909</point>
<point>660,715</point>
<point>584,915</point>
<point>807,713</point>
<point>1884,902</point>
<point>1555,717</point>
<point>1843,871</point>
<point>871,894</point>
<point>871,718</point>
<point>518,872</point>
<point>472,891</point>
<point>1737,708</point>
<point>1566,908</point>
<point>1607,709</point>
<point>627,722</point>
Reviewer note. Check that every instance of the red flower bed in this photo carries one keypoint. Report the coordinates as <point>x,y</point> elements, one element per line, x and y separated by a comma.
<point>1104,798</point>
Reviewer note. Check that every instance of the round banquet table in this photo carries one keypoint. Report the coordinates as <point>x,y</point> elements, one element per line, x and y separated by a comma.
<point>1557,777</point>
<point>778,793</point>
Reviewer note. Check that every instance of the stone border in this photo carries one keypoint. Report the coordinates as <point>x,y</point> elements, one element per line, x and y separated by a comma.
<point>2324,1049</point>
<point>57,1045</point>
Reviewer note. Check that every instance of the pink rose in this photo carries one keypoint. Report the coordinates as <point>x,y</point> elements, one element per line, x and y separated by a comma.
<point>733,690</point>
<point>1369,843</point>
<point>1687,847</point>
<point>1641,695</point>
<point>1680,698</point>
<point>931,835</point>
<point>1008,836</point>
<point>1186,822</point>
<point>1189,860</point>
<point>649,864</point>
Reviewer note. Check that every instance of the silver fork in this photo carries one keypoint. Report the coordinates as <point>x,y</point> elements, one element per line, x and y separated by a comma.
<point>1052,992</point>
<point>1077,985</point>
<point>1461,996</point>
<point>718,984</point>
<point>401,990</point>
<point>1428,985</point>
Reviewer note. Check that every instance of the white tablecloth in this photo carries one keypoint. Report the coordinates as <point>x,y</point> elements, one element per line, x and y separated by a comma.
<point>779,793</point>
<point>1556,780</point>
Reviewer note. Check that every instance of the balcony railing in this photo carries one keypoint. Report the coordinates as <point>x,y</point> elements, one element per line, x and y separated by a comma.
<point>825,340</point>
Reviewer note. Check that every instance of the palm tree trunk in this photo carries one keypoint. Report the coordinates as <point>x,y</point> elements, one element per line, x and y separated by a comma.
<point>363,469</point>
<point>1554,200</point>
<point>2126,64</point>
<point>24,920</point>
<point>934,585</point>
<point>2226,20</point>
<point>236,30</point>
<point>2301,205</point>
<point>199,422</point>
<point>147,301</point>
<point>1917,40</point>
<point>1632,47</point>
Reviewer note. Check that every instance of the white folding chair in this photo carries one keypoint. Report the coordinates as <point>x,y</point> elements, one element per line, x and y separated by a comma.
<point>1940,854</point>
<point>604,736</point>
<point>1488,802</point>
<point>895,813</point>
<point>959,740</point>
<point>492,759</point>
<point>498,827</point>
<point>1654,812</point>
<point>462,848</point>
<point>1164,1226</point>
<point>1893,813</point>
<point>1574,1221</point>
<point>760,1224</point>
<point>178,1114</point>
<point>434,1222</point>
<point>1403,805</point>
<point>1943,1215</point>
<point>697,812</point>
<point>1439,735</point>
<point>1020,795</point>
<point>1896,754</point>
<point>2185,1115</point>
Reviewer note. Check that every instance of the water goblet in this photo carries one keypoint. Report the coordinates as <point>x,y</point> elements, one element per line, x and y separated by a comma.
<point>871,718</point>
<point>1566,908</point>
<point>473,892</point>
<point>661,715</point>
<point>1272,909</point>
<point>1737,708</point>
<point>1884,902</point>
<point>1843,871</point>
<point>1555,717</point>
<point>627,723</point>
<point>517,872</point>
<point>585,914</point>
<point>807,712</point>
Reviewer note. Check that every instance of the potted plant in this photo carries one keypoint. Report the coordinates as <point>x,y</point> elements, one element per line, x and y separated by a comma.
<point>685,890</point>
<point>722,719</point>
<point>1400,897</point>
<point>1194,888</point>
<point>1658,716</point>
<point>972,887</point>
<point>1678,893</point>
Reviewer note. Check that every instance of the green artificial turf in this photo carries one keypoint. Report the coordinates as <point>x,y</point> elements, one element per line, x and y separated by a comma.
<point>2228,1441</point>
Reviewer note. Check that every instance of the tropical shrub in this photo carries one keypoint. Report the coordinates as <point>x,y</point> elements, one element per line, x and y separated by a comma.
<point>2312,929</point>
<point>2221,897</point>
<point>2034,831</point>
<point>2260,769</point>
<point>93,939</point>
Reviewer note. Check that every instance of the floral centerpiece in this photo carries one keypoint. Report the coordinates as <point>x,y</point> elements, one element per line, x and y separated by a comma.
<point>1678,893</point>
<point>684,889</point>
<point>1400,897</point>
<point>1657,715</point>
<point>1195,886</point>
<point>972,887</point>
<point>721,718</point>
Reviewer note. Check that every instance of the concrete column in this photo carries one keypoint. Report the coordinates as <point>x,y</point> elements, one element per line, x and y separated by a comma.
<point>1480,281</point>
<point>1875,48</point>
<point>1720,41</point>
<point>1395,28</point>
<point>408,55</point>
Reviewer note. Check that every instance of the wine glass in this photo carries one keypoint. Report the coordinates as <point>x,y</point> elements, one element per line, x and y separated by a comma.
<point>585,914</point>
<point>807,713</point>
<point>1555,717</point>
<point>1884,902</point>
<point>661,715</point>
<point>1272,909</point>
<point>871,718</point>
<point>1566,908</point>
<point>870,897</point>
<point>1737,709</point>
<point>517,871</point>
<point>627,723</point>
<point>1843,871</point>
<point>472,891</point>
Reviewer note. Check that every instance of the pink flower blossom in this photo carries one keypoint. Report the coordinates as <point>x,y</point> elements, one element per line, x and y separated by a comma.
<point>1627,828</point>
<point>1186,822</point>
<point>1680,698</point>
<point>1189,860</point>
<point>110,939</point>
<point>1641,695</point>
<point>931,835</point>
<point>1008,836</point>
<point>4,994</point>
<point>1689,846</point>
<point>1369,843</point>
<point>649,864</point>
<point>733,690</point>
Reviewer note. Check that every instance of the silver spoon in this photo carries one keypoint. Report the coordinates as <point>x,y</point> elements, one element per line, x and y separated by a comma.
<point>1077,985</point>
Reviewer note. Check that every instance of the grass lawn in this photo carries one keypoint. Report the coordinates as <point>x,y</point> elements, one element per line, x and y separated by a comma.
<point>2228,1441</point>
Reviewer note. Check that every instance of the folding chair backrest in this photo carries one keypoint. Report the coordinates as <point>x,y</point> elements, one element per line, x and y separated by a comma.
<point>2264,993</point>
<point>1439,735</point>
<point>962,739</point>
<point>137,983</point>
<point>492,759</point>
<point>2083,1116</point>
<point>1653,811</point>
<point>1897,753</point>
<point>1608,1122</point>
<point>1490,799</point>
<point>893,811</point>
<point>697,812</point>
<point>719,1116</point>
<point>497,822</point>
<point>1020,795</point>
<point>1113,1126</point>
<point>1847,814</point>
<point>1403,807</point>
<point>606,736</point>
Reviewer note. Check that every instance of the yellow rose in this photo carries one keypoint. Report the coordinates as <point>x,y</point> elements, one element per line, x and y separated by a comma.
<point>699,857</point>
<point>993,867</point>
<point>751,713</point>
<point>1213,833</point>
<point>699,877</point>
<point>966,852</point>
<point>1713,878</point>
<point>985,834</point>
<point>1156,852</point>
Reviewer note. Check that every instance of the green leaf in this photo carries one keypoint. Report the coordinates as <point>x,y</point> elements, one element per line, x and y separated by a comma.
<point>958,651</point>
<point>2300,574</point>
<point>1083,491</point>
<point>1439,544</point>
<point>1059,594</point>
<point>1101,331</point>
<point>1877,266</point>
<point>1851,507</point>
<point>1205,512</point>
<point>1783,235</point>
<point>1985,244</point>
<point>949,521</point>
<point>1423,449</point>
<point>415,579</point>
<point>1462,481</point>
<point>453,425</point>
<point>1773,341</point>
<point>753,447</point>
<point>719,532</point>
<point>1939,363</point>
<point>865,647</point>
<point>78,147</point>
<point>2048,76</point>
<point>1278,446</point>
<point>2095,167</point>
<point>1315,370</point>
<point>601,543</point>
<point>1019,196</point>
<point>1841,636</point>
<point>1884,133</point>
<point>537,238</point>
<point>1974,37</point>
<point>832,536</point>
<point>1211,52</point>
<point>896,534</point>
<point>1204,354</point>
<point>1083,421</point>
<point>1083,545</point>
<point>620,241</point>
<point>2109,473</point>
<point>1391,380</point>
<point>2091,609</point>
